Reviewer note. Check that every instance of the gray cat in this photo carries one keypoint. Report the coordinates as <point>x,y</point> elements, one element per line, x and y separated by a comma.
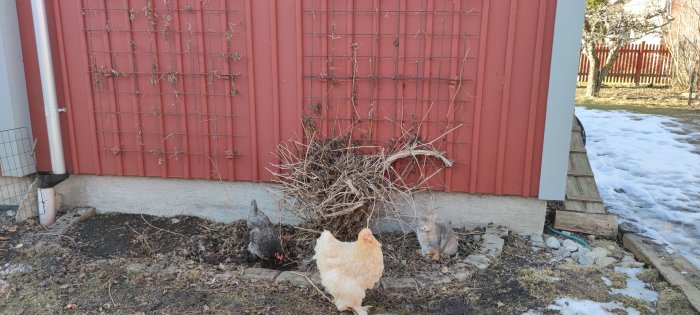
<point>436,238</point>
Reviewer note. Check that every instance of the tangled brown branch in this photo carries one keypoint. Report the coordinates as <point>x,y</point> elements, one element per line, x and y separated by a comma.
<point>340,185</point>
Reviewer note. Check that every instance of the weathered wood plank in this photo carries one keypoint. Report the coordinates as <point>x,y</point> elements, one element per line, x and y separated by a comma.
<point>584,198</point>
<point>584,206</point>
<point>679,275</point>
<point>578,173</point>
<point>579,161</point>
<point>577,142</point>
<point>589,223</point>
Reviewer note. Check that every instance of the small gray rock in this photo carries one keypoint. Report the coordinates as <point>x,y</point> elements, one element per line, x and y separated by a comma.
<point>477,260</point>
<point>598,252</point>
<point>260,274</point>
<point>492,245</point>
<point>562,253</point>
<point>426,279</point>
<point>399,283</point>
<point>292,278</point>
<point>628,258</point>
<point>591,237</point>
<point>476,238</point>
<point>10,213</point>
<point>462,273</point>
<point>570,245</point>
<point>585,259</point>
<point>605,261</point>
<point>500,230</point>
<point>552,242</point>
<point>536,240</point>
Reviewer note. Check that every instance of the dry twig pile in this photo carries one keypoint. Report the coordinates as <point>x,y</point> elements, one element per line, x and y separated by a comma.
<point>339,185</point>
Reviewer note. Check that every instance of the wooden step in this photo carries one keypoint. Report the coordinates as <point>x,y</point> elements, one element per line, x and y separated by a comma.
<point>589,223</point>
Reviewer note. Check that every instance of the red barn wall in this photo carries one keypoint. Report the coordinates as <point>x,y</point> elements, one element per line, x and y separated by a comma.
<point>207,89</point>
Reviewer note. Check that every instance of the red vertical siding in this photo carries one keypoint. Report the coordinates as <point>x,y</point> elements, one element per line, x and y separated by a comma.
<point>206,89</point>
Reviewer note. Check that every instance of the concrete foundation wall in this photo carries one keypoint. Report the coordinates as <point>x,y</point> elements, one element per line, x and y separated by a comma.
<point>229,201</point>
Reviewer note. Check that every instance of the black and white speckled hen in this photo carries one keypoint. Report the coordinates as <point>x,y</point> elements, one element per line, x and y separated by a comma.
<point>264,242</point>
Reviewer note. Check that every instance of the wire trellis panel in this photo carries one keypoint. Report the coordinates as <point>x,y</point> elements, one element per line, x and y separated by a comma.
<point>207,89</point>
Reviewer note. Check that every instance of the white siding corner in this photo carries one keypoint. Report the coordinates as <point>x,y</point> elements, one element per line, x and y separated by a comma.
<point>566,45</point>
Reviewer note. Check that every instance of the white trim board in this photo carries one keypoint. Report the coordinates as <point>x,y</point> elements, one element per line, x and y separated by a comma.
<point>568,25</point>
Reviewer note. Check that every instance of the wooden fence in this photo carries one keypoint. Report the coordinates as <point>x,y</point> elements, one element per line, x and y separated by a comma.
<point>637,63</point>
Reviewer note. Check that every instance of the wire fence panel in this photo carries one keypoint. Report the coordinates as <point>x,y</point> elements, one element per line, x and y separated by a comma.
<point>16,162</point>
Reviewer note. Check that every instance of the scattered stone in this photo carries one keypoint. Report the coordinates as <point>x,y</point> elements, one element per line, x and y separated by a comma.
<point>598,252</point>
<point>569,260</point>
<point>552,242</point>
<point>536,249</point>
<point>427,279</point>
<point>477,260</point>
<point>605,261</point>
<point>476,238</point>
<point>591,237</point>
<point>500,230</point>
<point>585,259</point>
<point>66,221</point>
<point>628,258</point>
<point>174,221</point>
<point>260,274</point>
<point>536,240</point>
<point>463,274</point>
<point>399,283</point>
<point>296,279</point>
<point>570,245</point>
<point>566,233</point>
<point>562,253</point>
<point>492,245</point>
<point>10,213</point>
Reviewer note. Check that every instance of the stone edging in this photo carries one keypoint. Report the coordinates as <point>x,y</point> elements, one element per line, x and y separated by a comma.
<point>490,248</point>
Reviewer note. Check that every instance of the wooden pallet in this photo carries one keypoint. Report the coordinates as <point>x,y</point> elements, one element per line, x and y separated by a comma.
<point>583,207</point>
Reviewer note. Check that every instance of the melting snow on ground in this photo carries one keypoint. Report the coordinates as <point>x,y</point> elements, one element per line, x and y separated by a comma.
<point>635,288</point>
<point>567,306</point>
<point>648,172</point>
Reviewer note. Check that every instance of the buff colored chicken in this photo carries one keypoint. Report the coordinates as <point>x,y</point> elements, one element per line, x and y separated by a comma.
<point>348,269</point>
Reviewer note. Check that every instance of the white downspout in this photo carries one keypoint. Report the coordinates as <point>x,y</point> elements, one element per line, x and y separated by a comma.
<point>47,210</point>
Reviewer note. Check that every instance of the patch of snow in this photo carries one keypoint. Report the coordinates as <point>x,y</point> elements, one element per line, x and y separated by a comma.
<point>647,168</point>
<point>568,306</point>
<point>636,288</point>
<point>606,281</point>
<point>532,312</point>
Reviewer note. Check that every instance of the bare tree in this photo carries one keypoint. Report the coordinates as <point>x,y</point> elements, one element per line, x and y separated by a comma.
<point>684,40</point>
<point>609,23</point>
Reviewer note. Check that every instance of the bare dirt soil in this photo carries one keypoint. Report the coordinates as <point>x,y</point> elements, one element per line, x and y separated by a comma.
<point>638,96</point>
<point>133,264</point>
